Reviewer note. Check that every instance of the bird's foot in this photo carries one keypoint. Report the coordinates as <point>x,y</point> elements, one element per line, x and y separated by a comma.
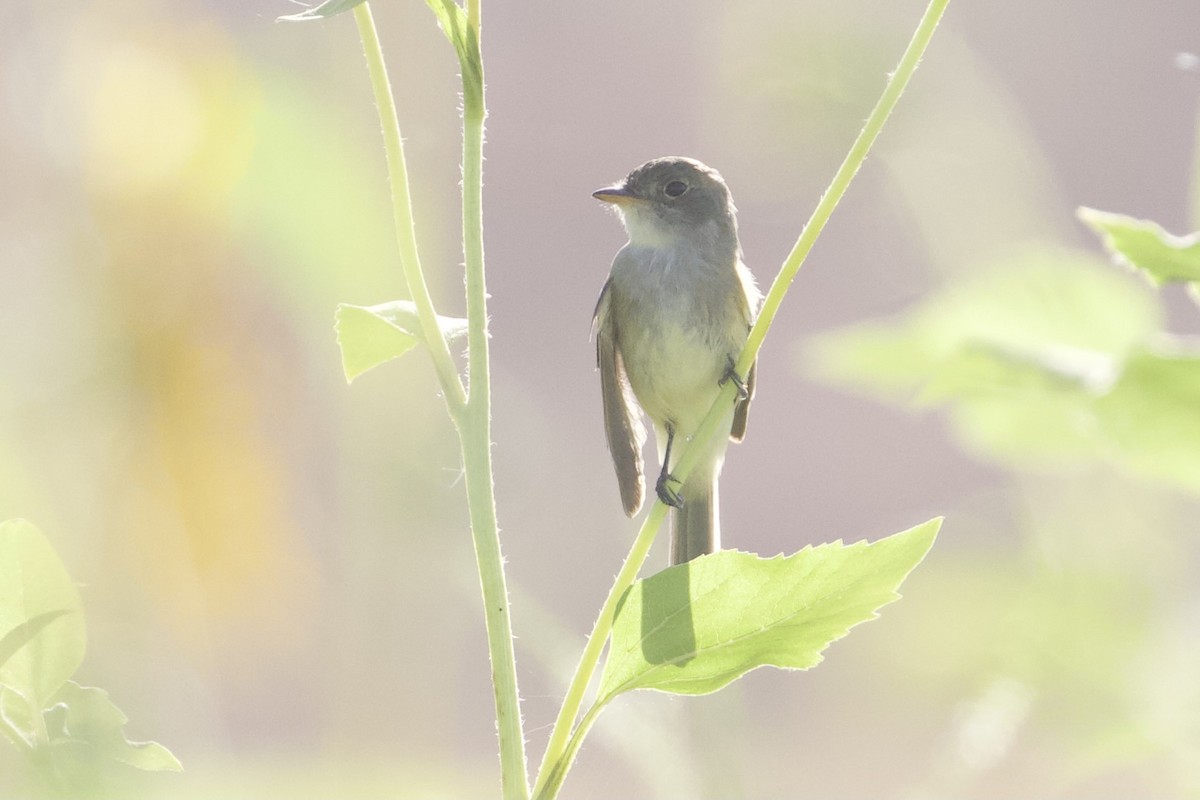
<point>732,375</point>
<point>666,492</point>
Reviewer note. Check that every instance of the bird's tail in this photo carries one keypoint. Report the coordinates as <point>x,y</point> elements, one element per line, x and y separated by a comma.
<point>696,527</point>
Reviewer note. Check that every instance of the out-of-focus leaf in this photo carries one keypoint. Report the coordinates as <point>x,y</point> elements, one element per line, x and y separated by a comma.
<point>1018,353</point>
<point>693,628</point>
<point>1018,404</point>
<point>369,336</point>
<point>19,719</point>
<point>21,635</point>
<point>329,8</point>
<point>36,591</point>
<point>1151,416</point>
<point>1144,245</point>
<point>1063,368</point>
<point>85,718</point>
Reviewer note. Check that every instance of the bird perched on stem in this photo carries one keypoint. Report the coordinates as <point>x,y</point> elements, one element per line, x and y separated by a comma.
<point>671,321</point>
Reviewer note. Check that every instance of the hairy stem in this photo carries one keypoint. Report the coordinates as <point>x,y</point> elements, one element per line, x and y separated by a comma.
<point>475,432</point>
<point>406,229</point>
<point>816,223</point>
<point>558,754</point>
<point>471,411</point>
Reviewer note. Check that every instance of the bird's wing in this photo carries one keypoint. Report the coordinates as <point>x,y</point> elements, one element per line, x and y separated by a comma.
<point>622,423</point>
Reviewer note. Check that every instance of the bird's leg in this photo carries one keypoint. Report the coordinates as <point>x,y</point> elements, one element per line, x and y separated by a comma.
<point>732,375</point>
<point>666,492</point>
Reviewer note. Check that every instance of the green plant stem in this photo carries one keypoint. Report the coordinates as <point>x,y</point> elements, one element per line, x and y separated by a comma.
<point>554,765</point>
<point>476,449</point>
<point>475,432</point>
<point>471,411</point>
<point>559,773</point>
<point>406,230</point>
<point>842,178</point>
<point>816,223</point>
<point>564,743</point>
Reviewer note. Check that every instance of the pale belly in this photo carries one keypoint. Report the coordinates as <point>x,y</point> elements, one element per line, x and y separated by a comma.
<point>675,373</point>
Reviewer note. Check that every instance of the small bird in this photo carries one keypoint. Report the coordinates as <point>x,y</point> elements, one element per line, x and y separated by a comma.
<point>670,323</point>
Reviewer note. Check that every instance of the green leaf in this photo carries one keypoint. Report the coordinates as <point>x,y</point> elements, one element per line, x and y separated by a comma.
<point>693,628</point>
<point>40,609</point>
<point>1062,368</point>
<point>1144,245</point>
<point>1018,353</point>
<point>1150,420</point>
<point>452,19</point>
<point>85,719</point>
<point>18,720</point>
<point>329,8</point>
<point>21,635</point>
<point>369,336</point>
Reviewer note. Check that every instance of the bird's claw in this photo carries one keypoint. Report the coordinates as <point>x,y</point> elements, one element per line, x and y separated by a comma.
<point>667,493</point>
<point>732,375</point>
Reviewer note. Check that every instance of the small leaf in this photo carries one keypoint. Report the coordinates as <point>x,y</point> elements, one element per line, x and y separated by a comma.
<point>33,585</point>
<point>83,715</point>
<point>329,8</point>
<point>369,336</point>
<point>1144,245</point>
<point>452,19</point>
<point>737,612</point>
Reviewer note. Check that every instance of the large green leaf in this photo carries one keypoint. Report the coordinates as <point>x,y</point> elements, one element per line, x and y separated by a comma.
<point>85,722</point>
<point>1017,352</point>
<point>369,336</point>
<point>40,610</point>
<point>1144,245</point>
<point>1063,363</point>
<point>694,628</point>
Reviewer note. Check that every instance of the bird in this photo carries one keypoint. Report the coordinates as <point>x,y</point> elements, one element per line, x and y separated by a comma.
<point>670,324</point>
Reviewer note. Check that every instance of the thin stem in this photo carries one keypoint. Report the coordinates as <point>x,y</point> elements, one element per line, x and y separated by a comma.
<point>816,223</point>
<point>475,432</point>
<point>471,414</point>
<point>556,761</point>
<point>841,180</point>
<point>559,773</point>
<point>563,741</point>
<point>476,451</point>
<point>406,231</point>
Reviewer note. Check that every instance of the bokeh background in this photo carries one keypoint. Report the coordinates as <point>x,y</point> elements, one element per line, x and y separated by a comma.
<point>276,571</point>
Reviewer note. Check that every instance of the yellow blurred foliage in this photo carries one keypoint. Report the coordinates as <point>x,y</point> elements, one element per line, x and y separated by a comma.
<point>163,110</point>
<point>165,134</point>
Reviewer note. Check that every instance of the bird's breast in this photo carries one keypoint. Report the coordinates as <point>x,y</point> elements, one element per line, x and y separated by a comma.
<point>679,321</point>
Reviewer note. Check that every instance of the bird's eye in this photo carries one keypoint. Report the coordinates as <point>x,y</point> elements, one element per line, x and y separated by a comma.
<point>675,188</point>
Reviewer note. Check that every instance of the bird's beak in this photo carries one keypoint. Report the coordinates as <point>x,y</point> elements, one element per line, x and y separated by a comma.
<point>615,194</point>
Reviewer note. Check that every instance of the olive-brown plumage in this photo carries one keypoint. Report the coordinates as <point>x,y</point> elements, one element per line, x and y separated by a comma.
<point>671,320</point>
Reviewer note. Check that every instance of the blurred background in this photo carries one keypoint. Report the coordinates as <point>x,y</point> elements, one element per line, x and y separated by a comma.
<point>276,571</point>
